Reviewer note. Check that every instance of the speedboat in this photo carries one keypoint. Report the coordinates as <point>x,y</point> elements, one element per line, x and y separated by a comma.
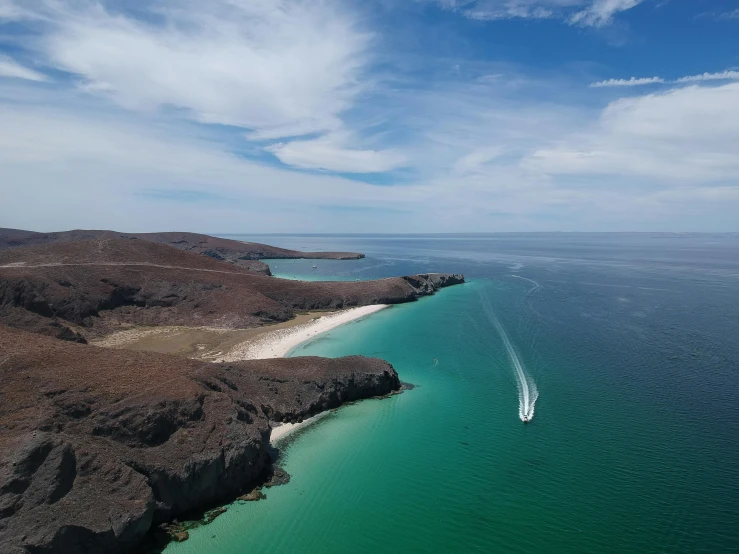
<point>525,419</point>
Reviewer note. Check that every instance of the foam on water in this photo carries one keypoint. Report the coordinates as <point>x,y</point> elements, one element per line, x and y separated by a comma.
<point>527,391</point>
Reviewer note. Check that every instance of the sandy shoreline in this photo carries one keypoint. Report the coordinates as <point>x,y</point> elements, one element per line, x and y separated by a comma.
<point>204,343</point>
<point>283,430</point>
<point>279,342</point>
<point>231,345</point>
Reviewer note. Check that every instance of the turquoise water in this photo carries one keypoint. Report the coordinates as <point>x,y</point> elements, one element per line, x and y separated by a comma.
<point>631,343</point>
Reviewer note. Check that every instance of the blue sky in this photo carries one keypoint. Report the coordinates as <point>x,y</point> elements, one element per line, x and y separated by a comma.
<point>373,116</point>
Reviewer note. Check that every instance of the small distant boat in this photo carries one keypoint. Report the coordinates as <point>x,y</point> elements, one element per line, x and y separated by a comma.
<point>525,419</point>
<point>315,266</point>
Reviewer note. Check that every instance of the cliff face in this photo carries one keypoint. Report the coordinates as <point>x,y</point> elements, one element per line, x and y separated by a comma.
<point>77,290</point>
<point>98,445</point>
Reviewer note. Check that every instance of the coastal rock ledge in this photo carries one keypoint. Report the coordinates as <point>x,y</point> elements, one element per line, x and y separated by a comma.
<point>98,445</point>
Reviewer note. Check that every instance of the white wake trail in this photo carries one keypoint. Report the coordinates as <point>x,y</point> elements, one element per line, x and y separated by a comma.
<point>536,286</point>
<point>527,391</point>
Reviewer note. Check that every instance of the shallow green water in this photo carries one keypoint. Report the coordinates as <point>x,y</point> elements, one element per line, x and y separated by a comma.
<point>626,452</point>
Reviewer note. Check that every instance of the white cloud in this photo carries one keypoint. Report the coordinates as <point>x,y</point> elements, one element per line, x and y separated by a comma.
<point>512,9</point>
<point>95,170</point>
<point>732,14</point>
<point>596,13</point>
<point>479,157</point>
<point>637,81</point>
<point>722,76</point>
<point>601,12</point>
<point>684,135</point>
<point>518,145</point>
<point>330,153</point>
<point>278,67</point>
<point>633,82</point>
<point>12,69</point>
<point>9,10</point>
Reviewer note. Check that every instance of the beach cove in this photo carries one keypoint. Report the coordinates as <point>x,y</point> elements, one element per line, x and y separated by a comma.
<point>275,341</point>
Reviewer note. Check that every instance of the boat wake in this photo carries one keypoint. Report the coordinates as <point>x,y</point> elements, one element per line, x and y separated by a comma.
<point>532,290</point>
<point>527,391</point>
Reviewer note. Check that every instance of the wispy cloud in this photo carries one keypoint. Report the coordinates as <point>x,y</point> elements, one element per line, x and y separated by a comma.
<point>278,68</point>
<point>12,69</point>
<point>329,153</point>
<point>588,13</point>
<point>721,76</point>
<point>633,82</point>
<point>238,115</point>
<point>130,165</point>
<point>732,14</point>
<point>601,12</point>
<point>178,195</point>
<point>728,75</point>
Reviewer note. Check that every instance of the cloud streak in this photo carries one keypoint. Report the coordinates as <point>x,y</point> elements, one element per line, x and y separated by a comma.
<point>601,12</point>
<point>722,76</point>
<point>632,82</point>
<point>277,68</point>
<point>586,13</point>
<point>329,153</point>
<point>11,69</point>
<point>638,81</point>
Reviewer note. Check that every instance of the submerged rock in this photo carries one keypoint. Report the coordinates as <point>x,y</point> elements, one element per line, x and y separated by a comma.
<point>253,496</point>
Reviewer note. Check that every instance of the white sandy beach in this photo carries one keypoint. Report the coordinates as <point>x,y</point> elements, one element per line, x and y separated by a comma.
<point>278,343</point>
<point>282,430</point>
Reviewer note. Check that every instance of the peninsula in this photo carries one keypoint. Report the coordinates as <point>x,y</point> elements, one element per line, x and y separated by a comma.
<point>99,445</point>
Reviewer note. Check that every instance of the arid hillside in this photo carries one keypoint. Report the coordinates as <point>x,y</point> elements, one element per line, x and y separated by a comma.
<point>242,254</point>
<point>81,289</point>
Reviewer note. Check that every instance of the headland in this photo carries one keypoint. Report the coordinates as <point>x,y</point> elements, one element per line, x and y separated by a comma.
<point>105,436</point>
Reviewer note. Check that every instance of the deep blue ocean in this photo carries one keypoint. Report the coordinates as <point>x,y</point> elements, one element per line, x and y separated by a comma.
<point>630,341</point>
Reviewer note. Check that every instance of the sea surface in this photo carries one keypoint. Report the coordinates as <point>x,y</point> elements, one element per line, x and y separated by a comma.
<point>631,342</point>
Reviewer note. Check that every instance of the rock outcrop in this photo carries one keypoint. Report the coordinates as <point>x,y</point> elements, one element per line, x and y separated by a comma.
<point>99,445</point>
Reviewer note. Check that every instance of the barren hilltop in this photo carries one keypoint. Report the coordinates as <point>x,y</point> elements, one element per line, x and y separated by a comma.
<point>100,446</point>
<point>243,254</point>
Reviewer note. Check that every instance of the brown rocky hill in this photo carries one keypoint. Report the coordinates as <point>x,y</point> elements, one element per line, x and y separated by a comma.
<point>243,254</point>
<point>75,290</point>
<point>99,445</point>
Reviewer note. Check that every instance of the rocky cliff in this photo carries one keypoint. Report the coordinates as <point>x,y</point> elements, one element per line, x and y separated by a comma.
<point>98,445</point>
